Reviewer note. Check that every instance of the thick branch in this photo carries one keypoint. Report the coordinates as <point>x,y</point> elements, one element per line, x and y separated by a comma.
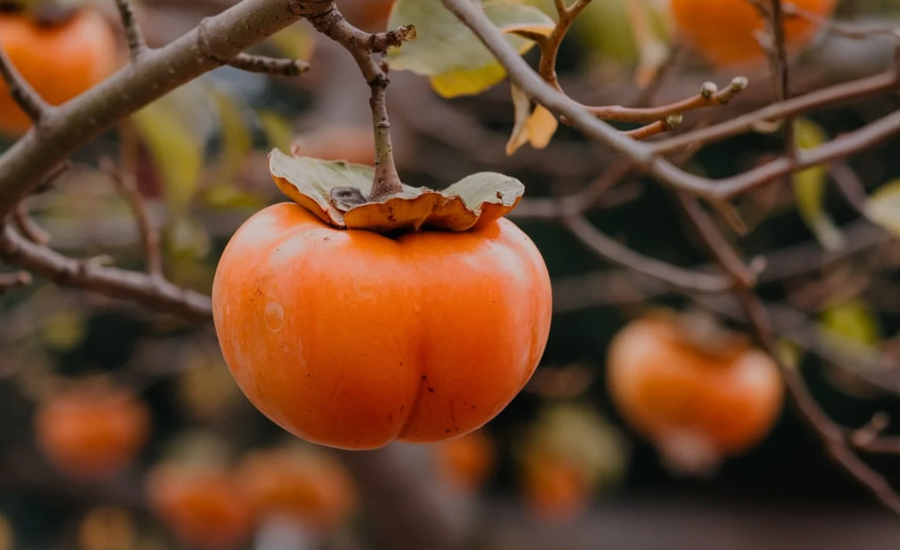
<point>155,73</point>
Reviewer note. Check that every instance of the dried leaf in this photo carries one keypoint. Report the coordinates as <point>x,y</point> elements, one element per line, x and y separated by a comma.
<point>536,127</point>
<point>470,203</point>
<point>449,53</point>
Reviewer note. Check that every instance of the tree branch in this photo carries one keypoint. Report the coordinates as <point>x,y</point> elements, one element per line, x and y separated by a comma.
<point>269,65</point>
<point>151,292</point>
<point>21,91</point>
<point>136,43</point>
<point>153,74</point>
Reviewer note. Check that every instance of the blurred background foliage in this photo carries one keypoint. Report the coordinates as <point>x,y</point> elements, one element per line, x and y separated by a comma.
<point>199,155</point>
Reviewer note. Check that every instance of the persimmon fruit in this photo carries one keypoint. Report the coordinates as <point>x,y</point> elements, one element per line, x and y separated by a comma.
<point>59,60</point>
<point>92,432</point>
<point>466,462</point>
<point>555,490</point>
<point>309,487</point>
<point>353,339</point>
<point>719,401</point>
<point>722,31</point>
<point>203,506</point>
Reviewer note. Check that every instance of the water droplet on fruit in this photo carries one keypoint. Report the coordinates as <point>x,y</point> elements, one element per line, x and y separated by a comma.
<point>274,316</point>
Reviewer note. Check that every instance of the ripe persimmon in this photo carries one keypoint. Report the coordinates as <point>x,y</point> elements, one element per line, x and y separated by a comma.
<point>723,31</point>
<point>466,462</point>
<point>555,489</point>
<point>59,60</point>
<point>695,403</point>
<point>91,432</point>
<point>202,506</point>
<point>307,486</point>
<point>352,338</point>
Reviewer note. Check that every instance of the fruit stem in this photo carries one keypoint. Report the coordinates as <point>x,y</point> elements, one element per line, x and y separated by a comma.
<point>387,180</point>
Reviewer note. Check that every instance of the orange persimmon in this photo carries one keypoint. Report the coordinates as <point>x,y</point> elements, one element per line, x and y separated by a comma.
<point>466,462</point>
<point>722,31</point>
<point>686,398</point>
<point>59,60</point>
<point>555,490</point>
<point>92,432</point>
<point>307,486</point>
<point>202,506</point>
<point>353,339</point>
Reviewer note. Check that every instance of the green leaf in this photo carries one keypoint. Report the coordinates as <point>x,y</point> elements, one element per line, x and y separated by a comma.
<point>809,188</point>
<point>852,320</point>
<point>448,52</point>
<point>174,130</point>
<point>883,207</point>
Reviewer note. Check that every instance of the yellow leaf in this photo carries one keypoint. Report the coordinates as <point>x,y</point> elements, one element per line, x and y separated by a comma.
<point>809,188</point>
<point>449,53</point>
<point>854,321</point>
<point>174,131</point>
<point>296,42</point>
<point>537,127</point>
<point>277,129</point>
<point>883,207</point>
<point>63,331</point>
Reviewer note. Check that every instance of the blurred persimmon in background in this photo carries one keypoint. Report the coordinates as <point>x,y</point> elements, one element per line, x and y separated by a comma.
<point>92,431</point>
<point>724,32</point>
<point>59,59</point>
<point>698,392</point>
<point>466,462</point>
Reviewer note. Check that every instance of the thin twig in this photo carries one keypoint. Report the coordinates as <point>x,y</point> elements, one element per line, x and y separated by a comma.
<point>27,226</point>
<point>136,42</point>
<point>611,250</point>
<point>31,103</point>
<point>14,280</point>
<point>361,45</point>
<point>124,181</point>
<point>269,65</point>
<point>849,185</point>
<point>156,294</point>
<point>857,32</point>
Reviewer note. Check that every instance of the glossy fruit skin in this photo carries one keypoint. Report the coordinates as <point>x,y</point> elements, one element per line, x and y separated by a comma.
<point>466,462</point>
<point>59,61</point>
<point>662,385</point>
<point>313,490</point>
<point>722,31</point>
<point>203,507</point>
<point>352,339</point>
<point>92,434</point>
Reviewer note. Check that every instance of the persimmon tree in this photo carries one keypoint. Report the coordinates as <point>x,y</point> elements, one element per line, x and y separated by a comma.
<point>489,286</point>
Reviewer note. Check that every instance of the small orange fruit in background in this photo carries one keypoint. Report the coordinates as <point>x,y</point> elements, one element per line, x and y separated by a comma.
<point>466,462</point>
<point>307,486</point>
<point>696,401</point>
<point>92,432</point>
<point>569,455</point>
<point>202,506</point>
<point>722,31</point>
<point>59,60</point>
<point>555,489</point>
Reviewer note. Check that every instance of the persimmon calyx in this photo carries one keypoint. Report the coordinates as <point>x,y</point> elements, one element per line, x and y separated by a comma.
<point>337,193</point>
